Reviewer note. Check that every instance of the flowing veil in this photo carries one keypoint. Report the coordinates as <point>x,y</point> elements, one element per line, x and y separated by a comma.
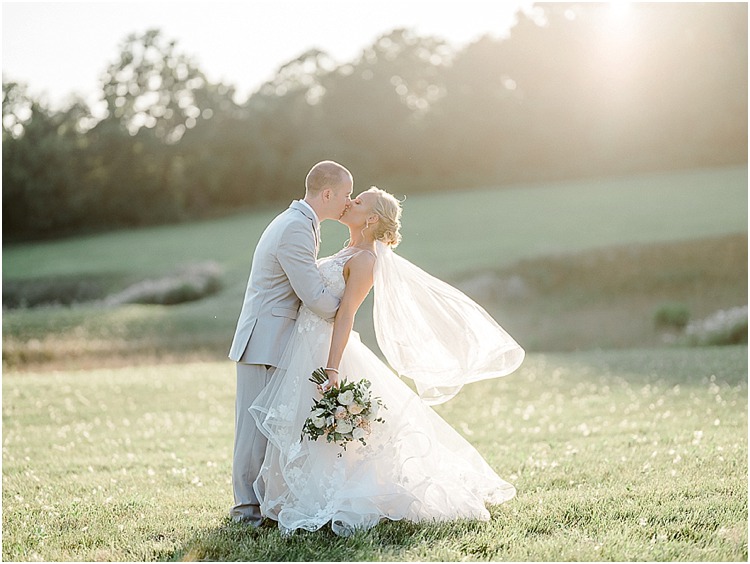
<point>434,334</point>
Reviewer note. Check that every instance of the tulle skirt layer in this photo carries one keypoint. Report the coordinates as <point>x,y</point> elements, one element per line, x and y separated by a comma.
<point>414,466</point>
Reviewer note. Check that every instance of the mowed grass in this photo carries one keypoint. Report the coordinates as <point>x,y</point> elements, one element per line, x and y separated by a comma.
<point>447,234</point>
<point>617,456</point>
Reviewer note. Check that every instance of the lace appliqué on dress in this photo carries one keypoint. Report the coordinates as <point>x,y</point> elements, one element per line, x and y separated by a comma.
<point>332,270</point>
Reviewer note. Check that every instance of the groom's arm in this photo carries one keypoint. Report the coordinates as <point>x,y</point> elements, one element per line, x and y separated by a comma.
<point>296,255</point>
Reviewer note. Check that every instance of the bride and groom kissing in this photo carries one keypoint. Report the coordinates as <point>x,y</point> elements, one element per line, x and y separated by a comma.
<point>297,315</point>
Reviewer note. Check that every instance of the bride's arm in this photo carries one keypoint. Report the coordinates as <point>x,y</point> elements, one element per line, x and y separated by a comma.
<point>358,275</point>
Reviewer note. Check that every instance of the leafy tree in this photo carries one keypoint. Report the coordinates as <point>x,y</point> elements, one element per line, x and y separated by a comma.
<point>571,92</point>
<point>42,151</point>
<point>153,85</point>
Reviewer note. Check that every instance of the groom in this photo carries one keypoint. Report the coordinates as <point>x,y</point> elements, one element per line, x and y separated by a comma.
<point>283,274</point>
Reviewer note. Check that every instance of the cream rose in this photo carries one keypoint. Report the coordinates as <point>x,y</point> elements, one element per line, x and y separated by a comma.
<point>343,427</point>
<point>346,398</point>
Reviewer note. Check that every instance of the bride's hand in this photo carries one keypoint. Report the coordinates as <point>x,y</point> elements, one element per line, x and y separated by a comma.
<point>333,380</point>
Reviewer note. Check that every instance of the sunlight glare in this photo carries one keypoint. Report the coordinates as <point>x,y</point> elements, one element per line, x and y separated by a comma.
<point>619,9</point>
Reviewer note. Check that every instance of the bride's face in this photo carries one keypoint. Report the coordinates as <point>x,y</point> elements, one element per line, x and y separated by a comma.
<point>359,211</point>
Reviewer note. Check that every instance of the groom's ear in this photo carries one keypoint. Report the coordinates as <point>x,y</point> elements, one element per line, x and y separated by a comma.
<point>326,194</point>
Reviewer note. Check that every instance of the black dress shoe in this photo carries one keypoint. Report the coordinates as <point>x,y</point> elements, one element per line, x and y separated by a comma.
<point>252,521</point>
<point>268,523</point>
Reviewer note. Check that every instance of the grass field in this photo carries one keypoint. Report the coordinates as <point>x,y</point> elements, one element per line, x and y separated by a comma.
<point>607,298</point>
<point>118,421</point>
<point>619,455</point>
<point>449,234</point>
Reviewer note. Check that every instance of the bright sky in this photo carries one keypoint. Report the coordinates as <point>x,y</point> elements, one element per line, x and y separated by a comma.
<point>58,48</point>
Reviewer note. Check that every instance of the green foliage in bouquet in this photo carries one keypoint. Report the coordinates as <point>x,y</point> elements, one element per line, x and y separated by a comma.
<point>342,414</point>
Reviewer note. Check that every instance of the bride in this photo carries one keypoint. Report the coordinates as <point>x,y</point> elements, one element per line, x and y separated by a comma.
<point>414,465</point>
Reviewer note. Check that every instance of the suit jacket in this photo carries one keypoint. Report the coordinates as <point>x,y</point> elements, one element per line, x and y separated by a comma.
<point>283,274</point>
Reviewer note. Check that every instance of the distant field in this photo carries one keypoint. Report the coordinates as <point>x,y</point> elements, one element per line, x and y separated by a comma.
<point>636,455</point>
<point>448,234</point>
<point>444,233</point>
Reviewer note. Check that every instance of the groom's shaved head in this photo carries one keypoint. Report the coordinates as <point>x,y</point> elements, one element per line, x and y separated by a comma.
<point>326,174</point>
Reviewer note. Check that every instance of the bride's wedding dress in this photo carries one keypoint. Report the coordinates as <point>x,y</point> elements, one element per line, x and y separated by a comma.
<point>414,466</point>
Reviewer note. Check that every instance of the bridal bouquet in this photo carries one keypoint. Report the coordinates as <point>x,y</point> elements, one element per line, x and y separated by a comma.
<point>343,414</point>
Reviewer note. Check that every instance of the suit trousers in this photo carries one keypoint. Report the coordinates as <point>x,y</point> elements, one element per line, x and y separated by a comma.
<point>249,442</point>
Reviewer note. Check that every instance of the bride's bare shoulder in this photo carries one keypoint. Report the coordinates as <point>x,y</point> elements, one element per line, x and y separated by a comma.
<point>363,263</point>
<point>364,259</point>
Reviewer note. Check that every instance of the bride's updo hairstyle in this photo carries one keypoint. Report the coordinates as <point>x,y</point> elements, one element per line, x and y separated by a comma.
<point>387,228</point>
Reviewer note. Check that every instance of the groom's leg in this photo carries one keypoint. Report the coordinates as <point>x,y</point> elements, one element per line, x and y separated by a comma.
<point>249,442</point>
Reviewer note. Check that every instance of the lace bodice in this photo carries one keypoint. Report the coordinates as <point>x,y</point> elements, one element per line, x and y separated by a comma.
<point>332,270</point>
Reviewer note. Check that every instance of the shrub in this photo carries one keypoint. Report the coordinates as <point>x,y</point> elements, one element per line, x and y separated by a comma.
<point>195,282</point>
<point>725,327</point>
<point>672,315</point>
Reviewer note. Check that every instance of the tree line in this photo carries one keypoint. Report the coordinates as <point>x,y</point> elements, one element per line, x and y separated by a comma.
<point>573,91</point>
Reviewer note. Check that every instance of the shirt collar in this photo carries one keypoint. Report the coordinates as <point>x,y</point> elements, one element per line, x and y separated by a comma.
<point>309,207</point>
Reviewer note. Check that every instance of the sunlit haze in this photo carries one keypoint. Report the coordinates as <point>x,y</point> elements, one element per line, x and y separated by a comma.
<point>241,44</point>
<point>620,8</point>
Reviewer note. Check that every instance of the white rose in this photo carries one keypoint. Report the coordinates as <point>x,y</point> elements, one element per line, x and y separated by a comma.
<point>343,426</point>
<point>358,433</point>
<point>318,412</point>
<point>355,409</point>
<point>346,398</point>
<point>340,412</point>
<point>319,422</point>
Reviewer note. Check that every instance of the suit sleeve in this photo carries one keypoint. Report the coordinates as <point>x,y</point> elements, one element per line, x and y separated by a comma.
<point>296,255</point>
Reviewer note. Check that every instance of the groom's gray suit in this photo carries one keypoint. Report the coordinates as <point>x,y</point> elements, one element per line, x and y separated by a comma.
<point>283,274</point>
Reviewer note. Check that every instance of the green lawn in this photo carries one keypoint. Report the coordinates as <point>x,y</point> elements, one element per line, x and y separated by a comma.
<point>617,455</point>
